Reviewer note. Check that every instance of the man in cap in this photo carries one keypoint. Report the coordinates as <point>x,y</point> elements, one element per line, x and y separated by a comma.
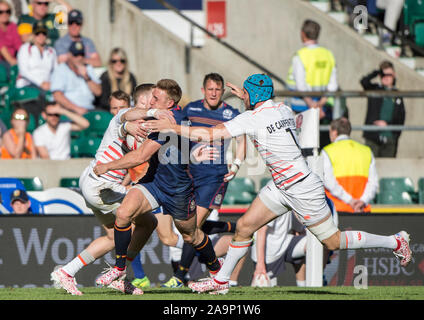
<point>75,21</point>
<point>74,83</point>
<point>20,202</point>
<point>40,12</point>
<point>272,129</point>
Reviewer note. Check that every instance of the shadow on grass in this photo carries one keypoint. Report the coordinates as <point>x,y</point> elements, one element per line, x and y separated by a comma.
<point>314,292</point>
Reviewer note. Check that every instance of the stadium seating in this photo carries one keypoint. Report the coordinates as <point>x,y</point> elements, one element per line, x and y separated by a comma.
<point>4,81</point>
<point>394,197</point>
<point>85,147</point>
<point>391,185</point>
<point>69,182</point>
<point>32,184</point>
<point>240,191</point>
<point>99,121</point>
<point>421,190</point>
<point>413,14</point>
<point>25,94</point>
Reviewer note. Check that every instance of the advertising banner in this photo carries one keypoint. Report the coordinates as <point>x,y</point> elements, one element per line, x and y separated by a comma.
<point>31,246</point>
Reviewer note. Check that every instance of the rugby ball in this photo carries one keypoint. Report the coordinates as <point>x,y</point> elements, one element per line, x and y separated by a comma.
<point>261,280</point>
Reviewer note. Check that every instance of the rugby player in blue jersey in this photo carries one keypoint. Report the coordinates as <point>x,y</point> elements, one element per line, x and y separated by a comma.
<point>210,178</point>
<point>171,188</point>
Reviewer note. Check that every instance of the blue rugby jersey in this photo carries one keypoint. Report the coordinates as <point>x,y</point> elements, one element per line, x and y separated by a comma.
<point>172,175</point>
<point>200,116</point>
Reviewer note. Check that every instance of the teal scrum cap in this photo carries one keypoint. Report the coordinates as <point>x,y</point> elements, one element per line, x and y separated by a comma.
<point>259,87</point>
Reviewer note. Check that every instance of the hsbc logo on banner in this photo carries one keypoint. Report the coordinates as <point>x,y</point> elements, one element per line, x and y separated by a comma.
<point>216,18</point>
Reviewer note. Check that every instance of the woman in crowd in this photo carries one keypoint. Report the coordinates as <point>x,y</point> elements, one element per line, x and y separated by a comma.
<point>17,142</point>
<point>116,77</point>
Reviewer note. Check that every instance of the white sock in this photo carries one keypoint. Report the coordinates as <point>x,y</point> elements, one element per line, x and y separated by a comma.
<point>81,260</point>
<point>301,283</point>
<point>236,251</point>
<point>180,241</point>
<point>360,239</point>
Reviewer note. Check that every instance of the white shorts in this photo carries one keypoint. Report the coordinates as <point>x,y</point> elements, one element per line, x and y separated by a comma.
<point>306,198</point>
<point>101,196</point>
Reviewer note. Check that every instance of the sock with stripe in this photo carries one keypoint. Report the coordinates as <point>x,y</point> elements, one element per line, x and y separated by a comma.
<point>187,257</point>
<point>122,241</point>
<point>207,254</point>
<point>236,251</point>
<point>360,239</point>
<point>212,227</point>
<point>80,261</point>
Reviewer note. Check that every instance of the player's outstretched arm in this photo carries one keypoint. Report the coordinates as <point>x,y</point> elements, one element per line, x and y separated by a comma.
<point>131,159</point>
<point>198,134</point>
<point>138,113</point>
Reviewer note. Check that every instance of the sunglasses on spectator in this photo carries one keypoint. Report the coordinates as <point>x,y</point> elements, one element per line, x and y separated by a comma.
<point>42,3</point>
<point>79,55</point>
<point>53,114</point>
<point>19,116</point>
<point>8,11</point>
<point>41,32</point>
<point>75,22</point>
<point>387,75</point>
<point>118,60</point>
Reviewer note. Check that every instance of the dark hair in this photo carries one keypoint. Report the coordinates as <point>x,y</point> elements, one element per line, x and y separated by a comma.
<point>341,125</point>
<point>385,65</point>
<point>215,77</point>
<point>311,29</point>
<point>171,88</point>
<point>141,89</point>
<point>120,95</point>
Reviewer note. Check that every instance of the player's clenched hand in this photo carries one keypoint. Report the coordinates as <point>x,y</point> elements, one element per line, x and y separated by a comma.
<point>162,125</point>
<point>137,129</point>
<point>204,153</point>
<point>100,169</point>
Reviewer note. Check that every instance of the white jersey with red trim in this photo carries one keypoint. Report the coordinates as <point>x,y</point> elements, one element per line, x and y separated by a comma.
<point>111,148</point>
<point>272,129</point>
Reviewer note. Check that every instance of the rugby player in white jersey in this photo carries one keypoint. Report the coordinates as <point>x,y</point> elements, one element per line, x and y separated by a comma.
<point>271,127</point>
<point>105,193</point>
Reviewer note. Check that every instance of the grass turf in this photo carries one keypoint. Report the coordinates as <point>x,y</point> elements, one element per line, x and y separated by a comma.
<point>238,293</point>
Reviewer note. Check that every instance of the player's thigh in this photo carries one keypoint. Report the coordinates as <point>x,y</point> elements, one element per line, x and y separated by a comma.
<point>256,216</point>
<point>133,204</point>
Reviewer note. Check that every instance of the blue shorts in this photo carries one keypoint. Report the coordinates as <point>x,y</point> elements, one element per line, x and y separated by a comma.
<point>210,195</point>
<point>179,206</point>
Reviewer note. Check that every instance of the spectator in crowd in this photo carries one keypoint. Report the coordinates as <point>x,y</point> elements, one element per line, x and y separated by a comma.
<point>350,174</point>
<point>277,243</point>
<point>20,202</point>
<point>40,12</point>
<point>17,142</point>
<point>10,41</point>
<point>392,10</point>
<point>75,22</point>
<point>53,139</point>
<point>117,77</point>
<point>36,60</point>
<point>118,100</point>
<point>383,111</point>
<point>75,84</point>
<point>313,69</point>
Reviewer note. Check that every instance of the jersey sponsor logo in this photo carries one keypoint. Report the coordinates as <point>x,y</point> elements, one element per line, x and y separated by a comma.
<point>195,109</point>
<point>218,199</point>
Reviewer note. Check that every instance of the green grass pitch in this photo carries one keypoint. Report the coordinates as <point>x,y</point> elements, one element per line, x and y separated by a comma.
<point>238,293</point>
